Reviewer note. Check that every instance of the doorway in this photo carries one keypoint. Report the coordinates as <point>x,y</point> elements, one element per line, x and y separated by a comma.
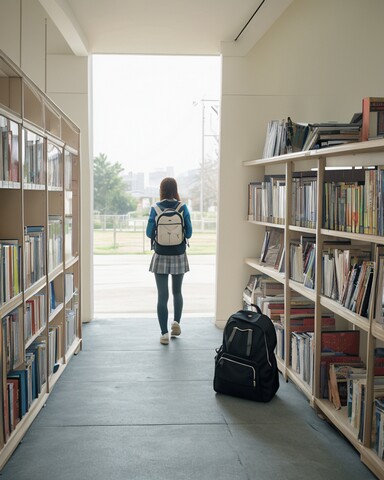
<point>153,116</point>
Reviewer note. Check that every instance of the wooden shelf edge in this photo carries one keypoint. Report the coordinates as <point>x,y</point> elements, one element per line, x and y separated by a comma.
<point>343,312</point>
<point>54,312</point>
<point>255,263</point>
<point>373,462</point>
<point>13,303</point>
<point>30,340</point>
<point>73,349</point>
<point>362,237</point>
<point>21,429</point>
<point>339,419</point>
<point>36,287</point>
<point>378,331</point>
<point>303,386</point>
<point>347,149</point>
<point>70,262</point>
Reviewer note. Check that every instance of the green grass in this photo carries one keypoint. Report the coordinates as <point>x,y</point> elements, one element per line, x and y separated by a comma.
<point>133,243</point>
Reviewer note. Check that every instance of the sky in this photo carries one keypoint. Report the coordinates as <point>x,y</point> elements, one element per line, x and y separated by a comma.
<point>147,110</point>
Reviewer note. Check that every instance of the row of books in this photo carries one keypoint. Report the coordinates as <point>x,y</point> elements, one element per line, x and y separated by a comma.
<point>68,231</point>
<point>34,260</point>
<point>347,270</point>
<point>378,423</point>
<point>34,254</point>
<point>286,136</point>
<point>12,339</point>
<point>33,166</point>
<point>304,200</point>
<point>23,385</point>
<point>300,323</point>
<point>68,169</point>
<point>347,277</point>
<point>302,355</point>
<point>55,349</point>
<point>379,290</point>
<point>10,271</point>
<point>261,286</point>
<point>272,250</point>
<point>55,241</point>
<point>302,260</point>
<point>71,326</point>
<point>347,388</point>
<point>35,317</point>
<point>54,166</point>
<point>354,201</point>
<point>266,199</point>
<point>9,152</point>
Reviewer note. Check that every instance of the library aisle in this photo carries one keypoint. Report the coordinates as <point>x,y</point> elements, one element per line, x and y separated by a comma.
<point>127,407</point>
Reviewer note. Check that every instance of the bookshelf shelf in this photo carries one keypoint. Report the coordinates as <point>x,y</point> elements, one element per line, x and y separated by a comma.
<point>24,424</point>
<point>33,205</point>
<point>353,318</point>
<point>354,236</point>
<point>340,419</point>
<point>255,263</point>
<point>356,306</point>
<point>267,224</point>
<point>304,291</point>
<point>304,387</point>
<point>378,331</point>
<point>55,312</point>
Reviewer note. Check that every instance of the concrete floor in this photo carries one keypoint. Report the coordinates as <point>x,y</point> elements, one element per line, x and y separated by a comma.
<point>128,408</point>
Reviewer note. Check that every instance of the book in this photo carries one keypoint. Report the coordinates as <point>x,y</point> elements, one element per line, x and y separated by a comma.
<point>273,248</point>
<point>372,118</point>
<point>345,342</point>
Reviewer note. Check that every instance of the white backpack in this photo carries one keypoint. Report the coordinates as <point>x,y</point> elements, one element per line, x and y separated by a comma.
<point>169,226</point>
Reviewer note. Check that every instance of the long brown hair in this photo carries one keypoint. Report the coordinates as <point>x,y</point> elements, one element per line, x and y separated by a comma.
<point>168,189</point>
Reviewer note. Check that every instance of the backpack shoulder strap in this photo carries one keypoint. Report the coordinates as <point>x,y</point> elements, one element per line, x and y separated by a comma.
<point>158,210</point>
<point>181,204</point>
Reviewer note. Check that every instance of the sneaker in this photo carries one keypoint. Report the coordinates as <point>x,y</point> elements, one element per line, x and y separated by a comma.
<point>175,330</point>
<point>164,339</point>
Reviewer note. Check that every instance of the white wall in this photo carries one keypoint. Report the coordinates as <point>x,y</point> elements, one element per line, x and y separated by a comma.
<point>31,40</point>
<point>316,63</point>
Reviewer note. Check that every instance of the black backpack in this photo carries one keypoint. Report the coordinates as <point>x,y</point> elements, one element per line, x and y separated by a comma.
<point>245,364</point>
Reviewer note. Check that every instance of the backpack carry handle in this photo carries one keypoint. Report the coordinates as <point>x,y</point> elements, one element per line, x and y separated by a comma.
<point>257,308</point>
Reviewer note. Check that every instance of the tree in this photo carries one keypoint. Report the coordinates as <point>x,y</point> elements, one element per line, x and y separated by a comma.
<point>110,197</point>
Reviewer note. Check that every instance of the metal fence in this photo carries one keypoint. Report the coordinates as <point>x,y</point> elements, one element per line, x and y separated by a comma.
<point>126,234</point>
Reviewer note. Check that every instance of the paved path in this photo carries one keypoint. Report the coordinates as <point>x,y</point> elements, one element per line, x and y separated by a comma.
<point>123,285</point>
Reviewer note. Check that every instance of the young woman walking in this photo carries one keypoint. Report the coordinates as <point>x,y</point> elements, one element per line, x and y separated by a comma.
<point>169,260</point>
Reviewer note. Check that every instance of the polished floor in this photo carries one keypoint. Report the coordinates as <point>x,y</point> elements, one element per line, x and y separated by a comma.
<point>128,408</point>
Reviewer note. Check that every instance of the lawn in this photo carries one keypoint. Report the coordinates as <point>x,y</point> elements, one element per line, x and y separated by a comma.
<point>108,242</point>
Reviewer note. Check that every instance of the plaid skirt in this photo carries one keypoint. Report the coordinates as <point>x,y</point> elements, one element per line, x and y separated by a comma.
<point>173,264</point>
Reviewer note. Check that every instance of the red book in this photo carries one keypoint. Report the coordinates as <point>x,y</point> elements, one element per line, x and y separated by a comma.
<point>346,342</point>
<point>16,402</point>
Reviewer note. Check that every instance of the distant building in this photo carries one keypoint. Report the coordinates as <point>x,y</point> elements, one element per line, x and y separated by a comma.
<point>154,178</point>
<point>134,181</point>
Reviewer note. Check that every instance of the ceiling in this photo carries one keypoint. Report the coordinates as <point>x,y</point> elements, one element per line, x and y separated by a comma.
<point>186,27</point>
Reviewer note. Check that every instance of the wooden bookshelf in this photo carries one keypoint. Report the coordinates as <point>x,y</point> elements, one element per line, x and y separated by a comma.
<point>322,164</point>
<point>39,248</point>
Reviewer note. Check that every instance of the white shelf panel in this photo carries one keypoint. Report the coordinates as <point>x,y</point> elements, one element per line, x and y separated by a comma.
<point>255,263</point>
